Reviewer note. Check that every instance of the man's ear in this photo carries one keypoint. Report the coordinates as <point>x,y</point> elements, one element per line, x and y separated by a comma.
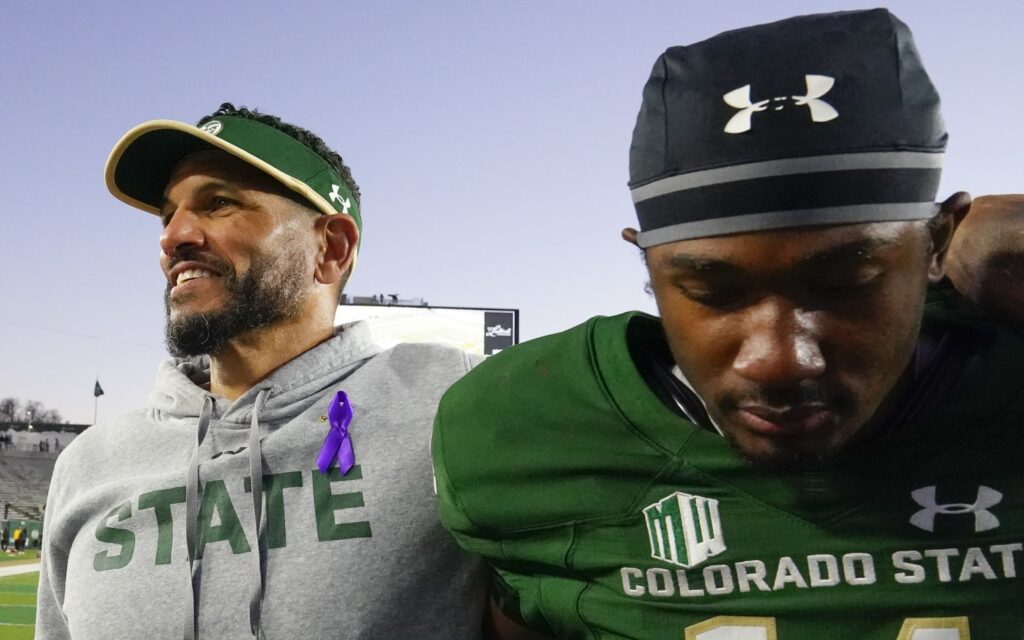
<point>339,239</point>
<point>941,229</point>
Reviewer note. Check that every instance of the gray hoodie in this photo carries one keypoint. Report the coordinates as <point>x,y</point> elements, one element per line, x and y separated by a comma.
<point>359,555</point>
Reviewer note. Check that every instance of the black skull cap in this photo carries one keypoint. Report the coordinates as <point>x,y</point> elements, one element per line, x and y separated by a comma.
<point>814,120</point>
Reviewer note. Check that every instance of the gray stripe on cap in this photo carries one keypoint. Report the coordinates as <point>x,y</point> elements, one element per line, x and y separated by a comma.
<point>789,166</point>
<point>781,219</point>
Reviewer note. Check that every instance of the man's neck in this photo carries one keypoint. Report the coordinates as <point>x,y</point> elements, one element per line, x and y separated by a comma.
<point>249,358</point>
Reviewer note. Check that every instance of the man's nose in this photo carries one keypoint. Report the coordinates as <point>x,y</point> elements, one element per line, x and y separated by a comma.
<point>781,345</point>
<point>183,230</point>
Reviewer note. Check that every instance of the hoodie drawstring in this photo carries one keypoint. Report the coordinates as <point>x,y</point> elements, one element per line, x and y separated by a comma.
<point>256,484</point>
<point>192,505</point>
<point>192,517</point>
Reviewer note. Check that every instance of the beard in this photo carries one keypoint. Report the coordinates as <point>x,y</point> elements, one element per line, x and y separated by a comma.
<point>270,291</point>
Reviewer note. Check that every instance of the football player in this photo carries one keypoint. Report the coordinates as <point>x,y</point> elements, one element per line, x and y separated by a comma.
<point>802,446</point>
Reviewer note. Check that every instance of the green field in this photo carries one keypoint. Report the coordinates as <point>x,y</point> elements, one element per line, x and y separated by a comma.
<point>18,606</point>
<point>30,556</point>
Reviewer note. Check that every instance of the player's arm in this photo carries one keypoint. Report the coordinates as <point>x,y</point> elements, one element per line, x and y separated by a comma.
<point>986,257</point>
<point>499,626</point>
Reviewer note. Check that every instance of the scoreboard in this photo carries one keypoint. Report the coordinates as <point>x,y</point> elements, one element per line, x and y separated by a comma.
<point>477,330</point>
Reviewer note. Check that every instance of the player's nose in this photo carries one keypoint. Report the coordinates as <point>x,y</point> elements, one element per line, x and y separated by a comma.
<point>781,346</point>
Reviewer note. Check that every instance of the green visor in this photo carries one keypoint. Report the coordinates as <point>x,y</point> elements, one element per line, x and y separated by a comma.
<point>141,163</point>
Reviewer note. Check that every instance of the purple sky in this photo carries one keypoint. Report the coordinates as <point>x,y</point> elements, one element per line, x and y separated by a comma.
<point>490,141</point>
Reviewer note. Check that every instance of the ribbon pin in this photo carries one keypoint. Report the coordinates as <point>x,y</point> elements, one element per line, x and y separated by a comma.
<point>338,444</point>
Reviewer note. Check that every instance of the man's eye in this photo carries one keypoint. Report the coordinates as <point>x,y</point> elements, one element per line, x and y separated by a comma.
<point>844,286</point>
<point>847,287</point>
<point>719,298</point>
<point>219,202</point>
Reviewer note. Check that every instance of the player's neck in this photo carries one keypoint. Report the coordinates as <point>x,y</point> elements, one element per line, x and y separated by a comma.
<point>250,357</point>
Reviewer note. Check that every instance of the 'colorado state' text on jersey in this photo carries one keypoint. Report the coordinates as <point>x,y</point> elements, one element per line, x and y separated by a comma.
<point>606,515</point>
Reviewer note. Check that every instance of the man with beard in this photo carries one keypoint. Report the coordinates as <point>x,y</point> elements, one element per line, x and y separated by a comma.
<point>796,449</point>
<point>278,482</point>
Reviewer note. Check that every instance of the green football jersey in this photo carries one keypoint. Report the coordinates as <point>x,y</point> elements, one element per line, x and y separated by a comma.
<point>605,514</point>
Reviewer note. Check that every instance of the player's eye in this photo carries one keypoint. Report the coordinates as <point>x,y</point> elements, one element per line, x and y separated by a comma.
<point>714,297</point>
<point>848,286</point>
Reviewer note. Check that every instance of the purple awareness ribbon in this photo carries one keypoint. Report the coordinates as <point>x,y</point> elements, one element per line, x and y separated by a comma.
<point>338,443</point>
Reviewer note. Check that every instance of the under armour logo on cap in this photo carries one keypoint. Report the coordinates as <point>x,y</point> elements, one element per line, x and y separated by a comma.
<point>817,86</point>
<point>735,133</point>
<point>983,518</point>
<point>335,196</point>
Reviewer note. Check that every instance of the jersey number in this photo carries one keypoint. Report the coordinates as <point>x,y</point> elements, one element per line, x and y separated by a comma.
<point>746,628</point>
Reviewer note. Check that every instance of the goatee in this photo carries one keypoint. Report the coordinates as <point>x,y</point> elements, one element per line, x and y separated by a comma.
<point>270,291</point>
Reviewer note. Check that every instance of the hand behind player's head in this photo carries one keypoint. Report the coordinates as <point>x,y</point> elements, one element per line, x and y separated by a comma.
<point>986,259</point>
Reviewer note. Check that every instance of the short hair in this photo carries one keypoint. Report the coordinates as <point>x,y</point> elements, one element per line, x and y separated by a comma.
<point>312,141</point>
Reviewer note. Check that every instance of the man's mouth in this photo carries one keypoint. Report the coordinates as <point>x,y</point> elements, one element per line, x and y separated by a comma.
<point>189,268</point>
<point>189,274</point>
<point>192,274</point>
<point>788,421</point>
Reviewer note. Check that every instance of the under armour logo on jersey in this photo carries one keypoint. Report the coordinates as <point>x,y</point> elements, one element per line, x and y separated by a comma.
<point>684,529</point>
<point>337,197</point>
<point>983,518</point>
<point>817,86</point>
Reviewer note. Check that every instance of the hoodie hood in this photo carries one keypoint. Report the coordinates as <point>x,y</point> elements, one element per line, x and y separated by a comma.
<point>183,383</point>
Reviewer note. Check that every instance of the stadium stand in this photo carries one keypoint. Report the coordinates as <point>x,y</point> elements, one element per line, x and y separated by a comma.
<point>27,456</point>
<point>24,481</point>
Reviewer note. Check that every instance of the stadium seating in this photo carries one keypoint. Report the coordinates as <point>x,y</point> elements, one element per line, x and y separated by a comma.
<point>24,481</point>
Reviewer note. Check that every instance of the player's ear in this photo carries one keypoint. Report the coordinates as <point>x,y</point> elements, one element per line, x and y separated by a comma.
<point>339,238</point>
<point>629,234</point>
<point>941,229</point>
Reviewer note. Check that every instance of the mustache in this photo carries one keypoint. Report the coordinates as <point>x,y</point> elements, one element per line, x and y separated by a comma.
<point>808,393</point>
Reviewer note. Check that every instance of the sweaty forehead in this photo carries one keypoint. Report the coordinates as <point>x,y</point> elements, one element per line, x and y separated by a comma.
<point>770,250</point>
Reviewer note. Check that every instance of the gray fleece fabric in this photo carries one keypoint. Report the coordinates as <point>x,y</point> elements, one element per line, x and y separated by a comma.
<point>355,556</point>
